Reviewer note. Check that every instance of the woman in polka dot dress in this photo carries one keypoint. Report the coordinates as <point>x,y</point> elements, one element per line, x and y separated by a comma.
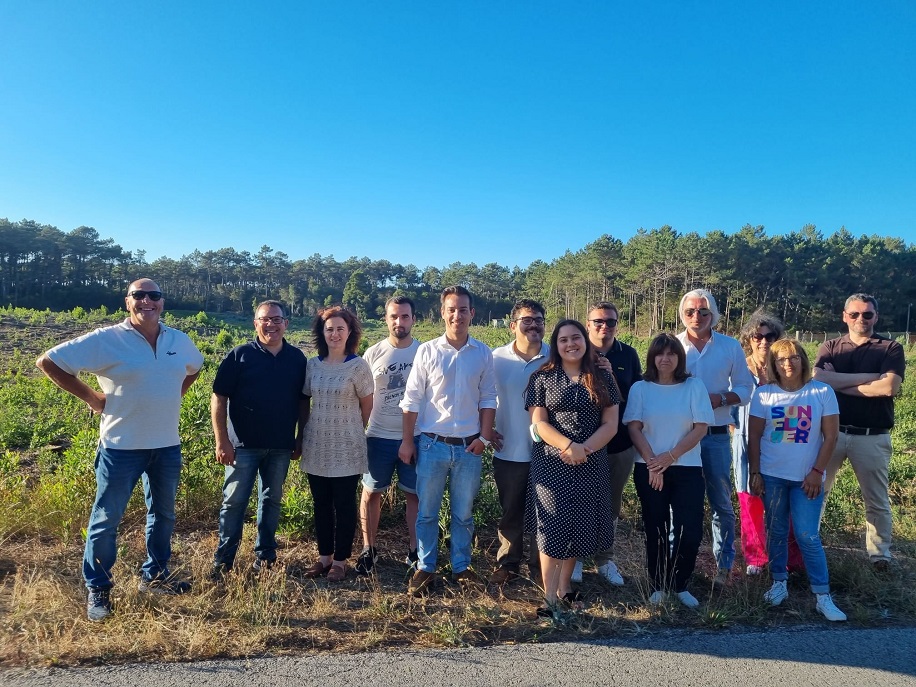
<point>573,406</point>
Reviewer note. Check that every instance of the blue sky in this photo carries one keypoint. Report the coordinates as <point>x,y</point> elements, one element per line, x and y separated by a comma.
<point>435,132</point>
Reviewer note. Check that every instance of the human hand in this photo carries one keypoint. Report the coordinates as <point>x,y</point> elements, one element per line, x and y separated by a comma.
<point>97,402</point>
<point>225,453</point>
<point>813,483</point>
<point>756,484</point>
<point>604,364</point>
<point>497,441</point>
<point>407,452</point>
<point>476,447</point>
<point>656,480</point>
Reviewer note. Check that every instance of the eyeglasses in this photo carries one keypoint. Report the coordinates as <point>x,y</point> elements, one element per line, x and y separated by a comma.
<point>867,315</point>
<point>794,359</point>
<point>528,321</point>
<point>702,312</point>
<point>770,337</point>
<point>610,322</point>
<point>271,320</point>
<point>140,295</point>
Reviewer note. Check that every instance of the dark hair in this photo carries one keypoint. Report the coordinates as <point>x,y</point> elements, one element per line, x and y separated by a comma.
<point>590,374</point>
<point>792,347</point>
<point>526,304</point>
<point>604,305</point>
<point>864,297</point>
<point>661,343</point>
<point>325,314</point>
<point>271,304</point>
<point>456,290</point>
<point>760,318</point>
<point>401,300</point>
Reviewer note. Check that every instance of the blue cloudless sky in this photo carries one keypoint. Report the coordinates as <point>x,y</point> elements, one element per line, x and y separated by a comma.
<point>435,132</point>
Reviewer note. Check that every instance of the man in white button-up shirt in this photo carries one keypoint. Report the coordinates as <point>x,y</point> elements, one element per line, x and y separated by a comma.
<point>718,361</point>
<point>450,401</point>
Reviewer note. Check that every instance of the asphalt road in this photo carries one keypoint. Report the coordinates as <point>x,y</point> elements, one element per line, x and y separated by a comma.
<point>821,656</point>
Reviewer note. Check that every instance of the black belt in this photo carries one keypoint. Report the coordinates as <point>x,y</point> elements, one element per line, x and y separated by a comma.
<point>717,429</point>
<point>452,441</point>
<point>864,431</point>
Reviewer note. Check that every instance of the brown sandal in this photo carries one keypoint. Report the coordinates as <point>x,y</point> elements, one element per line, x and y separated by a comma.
<point>319,569</point>
<point>337,573</point>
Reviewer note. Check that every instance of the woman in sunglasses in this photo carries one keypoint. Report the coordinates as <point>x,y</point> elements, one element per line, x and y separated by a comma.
<point>759,333</point>
<point>792,431</point>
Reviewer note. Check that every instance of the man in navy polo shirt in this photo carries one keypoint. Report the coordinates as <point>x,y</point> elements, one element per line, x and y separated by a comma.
<point>260,384</point>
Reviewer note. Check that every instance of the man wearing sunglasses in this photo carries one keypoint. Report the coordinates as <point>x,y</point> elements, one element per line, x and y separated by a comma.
<point>143,369</point>
<point>259,386</point>
<point>866,371</point>
<point>718,361</point>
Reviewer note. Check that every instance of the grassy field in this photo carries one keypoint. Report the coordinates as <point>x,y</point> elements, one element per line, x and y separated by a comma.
<point>47,447</point>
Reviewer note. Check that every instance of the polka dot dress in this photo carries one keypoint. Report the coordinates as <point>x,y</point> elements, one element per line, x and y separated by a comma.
<point>571,504</point>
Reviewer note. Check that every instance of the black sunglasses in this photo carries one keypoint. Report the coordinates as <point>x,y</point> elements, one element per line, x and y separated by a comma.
<point>140,295</point>
<point>770,337</point>
<point>610,322</point>
<point>867,315</point>
<point>702,312</point>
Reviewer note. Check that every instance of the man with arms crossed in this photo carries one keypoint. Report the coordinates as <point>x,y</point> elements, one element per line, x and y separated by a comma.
<point>143,369</point>
<point>623,361</point>
<point>866,371</point>
<point>260,385</point>
<point>390,361</point>
<point>718,361</point>
<point>513,365</point>
<point>451,400</point>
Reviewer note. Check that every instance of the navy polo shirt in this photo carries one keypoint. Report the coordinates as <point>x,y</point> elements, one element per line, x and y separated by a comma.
<point>264,391</point>
<point>627,371</point>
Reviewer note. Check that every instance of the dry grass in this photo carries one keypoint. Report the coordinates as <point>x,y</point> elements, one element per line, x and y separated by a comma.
<point>42,613</point>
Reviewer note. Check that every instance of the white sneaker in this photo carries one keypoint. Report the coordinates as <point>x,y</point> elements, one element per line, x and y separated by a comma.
<point>828,609</point>
<point>777,593</point>
<point>753,570</point>
<point>658,598</point>
<point>688,599</point>
<point>610,573</point>
<point>577,572</point>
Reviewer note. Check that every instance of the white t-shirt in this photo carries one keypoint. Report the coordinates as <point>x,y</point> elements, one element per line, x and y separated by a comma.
<point>512,418</point>
<point>668,413</point>
<point>792,434</point>
<point>390,368</point>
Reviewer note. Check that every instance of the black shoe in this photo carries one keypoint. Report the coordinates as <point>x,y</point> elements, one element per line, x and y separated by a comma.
<point>413,558</point>
<point>168,586</point>
<point>98,604</point>
<point>365,564</point>
<point>218,573</point>
<point>261,564</point>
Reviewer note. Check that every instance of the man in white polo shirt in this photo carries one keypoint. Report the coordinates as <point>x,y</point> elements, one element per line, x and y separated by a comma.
<point>513,365</point>
<point>143,369</point>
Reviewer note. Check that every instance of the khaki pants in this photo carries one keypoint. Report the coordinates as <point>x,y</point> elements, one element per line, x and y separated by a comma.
<point>870,457</point>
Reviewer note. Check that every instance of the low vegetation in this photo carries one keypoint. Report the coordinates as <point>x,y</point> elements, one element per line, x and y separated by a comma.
<point>47,446</point>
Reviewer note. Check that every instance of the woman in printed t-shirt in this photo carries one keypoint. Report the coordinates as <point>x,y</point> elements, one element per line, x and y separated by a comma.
<point>792,430</point>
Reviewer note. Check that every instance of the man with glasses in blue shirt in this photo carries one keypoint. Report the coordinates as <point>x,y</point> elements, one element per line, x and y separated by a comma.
<point>718,361</point>
<point>143,369</point>
<point>259,385</point>
<point>866,371</point>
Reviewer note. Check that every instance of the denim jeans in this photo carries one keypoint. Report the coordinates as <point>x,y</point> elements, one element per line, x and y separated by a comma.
<point>269,466</point>
<point>785,499</point>
<point>436,463</point>
<point>116,474</point>
<point>716,453</point>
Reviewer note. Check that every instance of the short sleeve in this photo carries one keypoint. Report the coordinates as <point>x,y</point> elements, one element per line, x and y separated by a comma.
<point>831,407</point>
<point>895,360</point>
<point>823,355</point>
<point>699,402</point>
<point>362,379</point>
<point>633,411</point>
<point>307,385</point>
<point>613,389</point>
<point>756,408</point>
<point>536,393</point>
<point>226,375</point>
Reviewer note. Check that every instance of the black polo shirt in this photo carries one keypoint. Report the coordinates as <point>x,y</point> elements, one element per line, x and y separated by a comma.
<point>264,391</point>
<point>627,371</point>
<point>878,354</point>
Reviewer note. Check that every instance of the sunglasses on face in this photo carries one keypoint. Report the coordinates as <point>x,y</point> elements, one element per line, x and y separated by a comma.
<point>867,315</point>
<point>528,321</point>
<point>770,337</point>
<point>140,295</point>
<point>610,322</point>
<point>702,312</point>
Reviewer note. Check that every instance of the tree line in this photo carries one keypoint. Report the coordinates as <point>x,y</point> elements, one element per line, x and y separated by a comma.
<point>803,276</point>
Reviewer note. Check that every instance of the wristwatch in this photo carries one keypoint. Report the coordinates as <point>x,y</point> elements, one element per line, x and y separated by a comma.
<point>723,400</point>
<point>485,442</point>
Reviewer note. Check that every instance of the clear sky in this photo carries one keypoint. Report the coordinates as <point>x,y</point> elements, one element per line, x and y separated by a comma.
<point>434,132</point>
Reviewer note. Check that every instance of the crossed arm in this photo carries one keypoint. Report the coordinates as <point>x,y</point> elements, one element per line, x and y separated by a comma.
<point>863,384</point>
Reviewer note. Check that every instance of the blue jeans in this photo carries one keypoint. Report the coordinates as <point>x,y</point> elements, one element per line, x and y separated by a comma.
<point>384,462</point>
<point>116,474</point>
<point>716,453</point>
<point>270,466</point>
<point>786,499</point>
<point>436,463</point>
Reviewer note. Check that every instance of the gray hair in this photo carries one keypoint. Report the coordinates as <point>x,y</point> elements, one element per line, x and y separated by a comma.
<point>760,318</point>
<point>710,302</point>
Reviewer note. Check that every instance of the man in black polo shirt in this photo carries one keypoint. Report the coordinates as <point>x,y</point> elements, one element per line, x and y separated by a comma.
<point>623,361</point>
<point>260,384</point>
<point>866,371</point>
